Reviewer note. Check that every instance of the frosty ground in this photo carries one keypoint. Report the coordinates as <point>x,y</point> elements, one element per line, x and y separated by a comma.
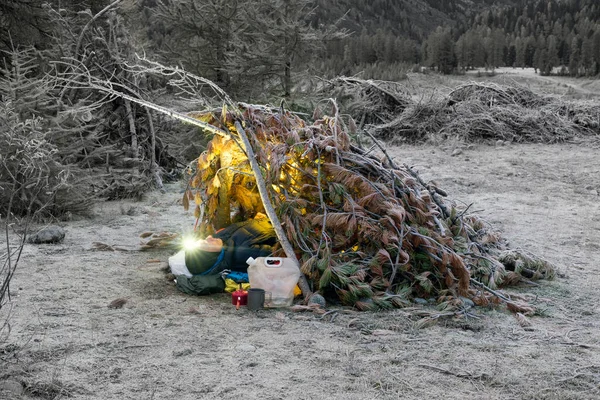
<point>65,342</point>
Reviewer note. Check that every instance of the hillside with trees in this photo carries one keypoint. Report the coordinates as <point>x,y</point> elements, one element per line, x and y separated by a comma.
<point>552,36</point>
<point>560,37</point>
<point>273,43</point>
<point>386,36</point>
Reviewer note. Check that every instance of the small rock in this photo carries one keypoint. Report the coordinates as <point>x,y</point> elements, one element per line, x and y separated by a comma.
<point>456,152</point>
<point>419,300</point>
<point>117,303</point>
<point>467,303</point>
<point>11,386</point>
<point>245,348</point>
<point>316,298</point>
<point>499,142</point>
<point>50,234</point>
<point>182,353</point>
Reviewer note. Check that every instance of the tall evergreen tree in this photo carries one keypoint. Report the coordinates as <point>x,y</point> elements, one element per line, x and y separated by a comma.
<point>575,60</point>
<point>496,48</point>
<point>520,52</point>
<point>247,47</point>
<point>596,52</point>
<point>552,51</point>
<point>440,50</point>
<point>587,56</point>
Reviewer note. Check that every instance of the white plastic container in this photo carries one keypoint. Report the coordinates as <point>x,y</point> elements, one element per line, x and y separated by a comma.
<point>276,276</point>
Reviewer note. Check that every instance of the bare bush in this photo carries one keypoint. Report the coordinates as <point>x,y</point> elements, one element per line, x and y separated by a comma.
<point>29,174</point>
<point>109,146</point>
<point>30,179</point>
<point>471,112</point>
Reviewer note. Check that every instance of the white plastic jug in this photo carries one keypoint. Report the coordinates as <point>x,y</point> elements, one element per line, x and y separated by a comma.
<point>277,276</point>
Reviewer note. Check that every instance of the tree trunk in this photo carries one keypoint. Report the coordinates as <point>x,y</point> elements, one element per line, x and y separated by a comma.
<point>223,217</point>
<point>132,131</point>
<point>287,79</point>
<point>154,170</point>
<point>264,195</point>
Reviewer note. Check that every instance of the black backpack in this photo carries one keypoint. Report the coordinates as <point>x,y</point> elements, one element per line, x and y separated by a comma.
<point>201,284</point>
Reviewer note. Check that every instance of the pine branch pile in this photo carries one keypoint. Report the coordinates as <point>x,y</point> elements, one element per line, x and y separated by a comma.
<point>472,112</point>
<point>371,102</point>
<point>366,232</point>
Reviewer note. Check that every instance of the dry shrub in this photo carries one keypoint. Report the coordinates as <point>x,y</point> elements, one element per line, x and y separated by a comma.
<point>95,146</point>
<point>33,185</point>
<point>30,177</point>
<point>473,112</point>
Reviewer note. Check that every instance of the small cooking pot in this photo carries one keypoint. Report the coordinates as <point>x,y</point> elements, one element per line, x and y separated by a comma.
<point>239,298</point>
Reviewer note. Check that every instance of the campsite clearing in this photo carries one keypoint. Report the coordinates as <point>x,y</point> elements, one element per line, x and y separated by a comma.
<point>100,322</point>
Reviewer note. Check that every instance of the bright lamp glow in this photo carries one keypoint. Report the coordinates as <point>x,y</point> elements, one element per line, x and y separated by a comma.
<point>190,243</point>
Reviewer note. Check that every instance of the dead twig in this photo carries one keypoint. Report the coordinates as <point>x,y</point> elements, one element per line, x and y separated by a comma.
<point>467,375</point>
<point>432,191</point>
<point>582,345</point>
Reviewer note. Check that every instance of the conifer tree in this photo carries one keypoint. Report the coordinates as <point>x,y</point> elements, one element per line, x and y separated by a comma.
<point>440,50</point>
<point>247,47</point>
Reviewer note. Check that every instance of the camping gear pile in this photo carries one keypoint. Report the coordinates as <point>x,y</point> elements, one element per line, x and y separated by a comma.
<point>365,231</point>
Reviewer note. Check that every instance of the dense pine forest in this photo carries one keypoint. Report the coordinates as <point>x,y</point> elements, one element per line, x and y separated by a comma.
<point>270,41</point>
<point>553,36</point>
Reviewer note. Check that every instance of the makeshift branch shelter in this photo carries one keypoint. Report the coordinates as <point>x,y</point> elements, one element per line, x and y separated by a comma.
<point>364,230</point>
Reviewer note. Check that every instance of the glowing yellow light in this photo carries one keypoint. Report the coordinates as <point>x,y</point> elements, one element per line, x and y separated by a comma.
<point>190,243</point>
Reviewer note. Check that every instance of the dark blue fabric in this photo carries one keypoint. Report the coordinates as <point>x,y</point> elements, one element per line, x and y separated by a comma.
<point>199,261</point>
<point>216,264</point>
<point>239,277</point>
<point>252,238</point>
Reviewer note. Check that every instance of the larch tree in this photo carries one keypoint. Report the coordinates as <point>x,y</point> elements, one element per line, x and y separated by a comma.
<point>440,50</point>
<point>249,47</point>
